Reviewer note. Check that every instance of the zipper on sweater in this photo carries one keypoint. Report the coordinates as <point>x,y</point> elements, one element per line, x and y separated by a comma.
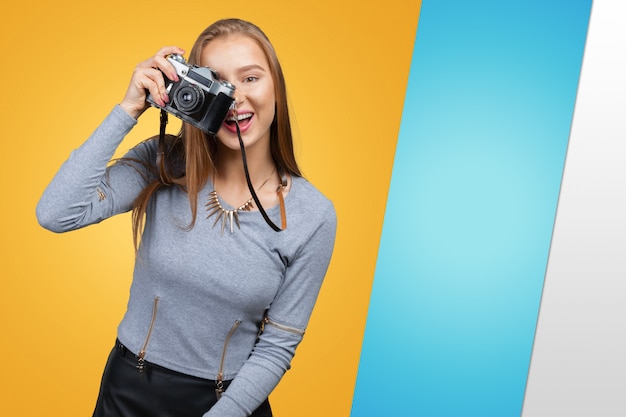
<point>220,374</point>
<point>289,329</point>
<point>141,366</point>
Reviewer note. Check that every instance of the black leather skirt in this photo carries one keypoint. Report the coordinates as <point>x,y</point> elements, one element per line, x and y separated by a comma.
<point>155,392</point>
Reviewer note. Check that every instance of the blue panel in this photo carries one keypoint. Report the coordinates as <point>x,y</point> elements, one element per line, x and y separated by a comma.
<point>471,208</point>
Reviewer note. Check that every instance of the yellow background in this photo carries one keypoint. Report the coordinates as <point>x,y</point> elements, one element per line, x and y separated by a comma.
<point>66,63</point>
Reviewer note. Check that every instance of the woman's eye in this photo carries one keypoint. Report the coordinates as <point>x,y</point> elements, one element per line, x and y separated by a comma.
<point>250,79</point>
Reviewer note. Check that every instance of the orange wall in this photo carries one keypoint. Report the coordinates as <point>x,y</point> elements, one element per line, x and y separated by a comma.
<point>65,65</point>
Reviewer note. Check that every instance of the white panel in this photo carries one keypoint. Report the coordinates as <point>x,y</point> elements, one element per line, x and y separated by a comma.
<point>578,366</point>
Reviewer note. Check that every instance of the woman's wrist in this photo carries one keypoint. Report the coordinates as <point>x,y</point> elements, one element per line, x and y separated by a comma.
<point>132,111</point>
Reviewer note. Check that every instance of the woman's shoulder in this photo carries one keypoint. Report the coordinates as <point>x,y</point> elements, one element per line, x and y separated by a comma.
<point>309,200</point>
<point>305,189</point>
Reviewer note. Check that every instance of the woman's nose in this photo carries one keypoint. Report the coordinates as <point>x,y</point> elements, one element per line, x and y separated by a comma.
<point>239,98</point>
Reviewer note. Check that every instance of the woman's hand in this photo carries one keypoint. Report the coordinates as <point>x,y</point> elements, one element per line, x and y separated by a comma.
<point>148,78</point>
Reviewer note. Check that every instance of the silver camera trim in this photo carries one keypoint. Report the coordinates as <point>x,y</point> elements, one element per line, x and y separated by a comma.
<point>182,69</point>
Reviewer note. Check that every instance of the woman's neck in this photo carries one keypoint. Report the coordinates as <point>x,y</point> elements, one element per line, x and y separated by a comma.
<point>229,179</point>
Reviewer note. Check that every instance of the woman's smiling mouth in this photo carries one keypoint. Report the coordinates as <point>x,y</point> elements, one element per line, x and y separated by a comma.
<point>244,119</point>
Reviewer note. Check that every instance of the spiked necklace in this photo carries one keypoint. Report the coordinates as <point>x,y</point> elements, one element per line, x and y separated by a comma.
<point>230,217</point>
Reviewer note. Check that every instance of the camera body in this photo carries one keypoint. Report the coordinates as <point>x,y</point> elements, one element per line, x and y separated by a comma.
<point>199,98</point>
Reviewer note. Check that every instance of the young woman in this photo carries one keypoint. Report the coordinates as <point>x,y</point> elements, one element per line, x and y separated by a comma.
<point>219,300</point>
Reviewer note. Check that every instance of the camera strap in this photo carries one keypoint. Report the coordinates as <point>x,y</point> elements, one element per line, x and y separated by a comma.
<point>281,187</point>
<point>160,160</point>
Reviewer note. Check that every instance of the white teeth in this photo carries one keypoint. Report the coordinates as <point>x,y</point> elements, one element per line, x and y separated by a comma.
<point>240,117</point>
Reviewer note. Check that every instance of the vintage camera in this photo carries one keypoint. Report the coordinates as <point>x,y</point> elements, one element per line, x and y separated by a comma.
<point>199,98</point>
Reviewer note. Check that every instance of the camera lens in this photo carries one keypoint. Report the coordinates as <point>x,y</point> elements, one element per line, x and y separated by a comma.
<point>189,98</point>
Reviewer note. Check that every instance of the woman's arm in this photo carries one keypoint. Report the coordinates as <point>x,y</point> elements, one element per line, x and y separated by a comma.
<point>288,317</point>
<point>85,190</point>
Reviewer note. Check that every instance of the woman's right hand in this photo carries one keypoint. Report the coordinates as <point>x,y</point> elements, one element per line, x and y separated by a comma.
<point>148,79</point>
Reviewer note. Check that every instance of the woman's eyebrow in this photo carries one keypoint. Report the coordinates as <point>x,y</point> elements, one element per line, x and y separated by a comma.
<point>251,67</point>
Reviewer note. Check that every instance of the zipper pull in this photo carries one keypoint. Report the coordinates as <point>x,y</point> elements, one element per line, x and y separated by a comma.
<point>220,386</point>
<point>141,365</point>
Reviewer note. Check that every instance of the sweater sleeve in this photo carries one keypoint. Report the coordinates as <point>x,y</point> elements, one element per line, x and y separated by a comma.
<point>287,319</point>
<point>86,189</point>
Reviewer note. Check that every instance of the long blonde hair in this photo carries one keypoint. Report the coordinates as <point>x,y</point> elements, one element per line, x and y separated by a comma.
<point>189,157</point>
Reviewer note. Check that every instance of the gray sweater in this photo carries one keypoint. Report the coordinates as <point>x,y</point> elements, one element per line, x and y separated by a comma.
<point>200,297</point>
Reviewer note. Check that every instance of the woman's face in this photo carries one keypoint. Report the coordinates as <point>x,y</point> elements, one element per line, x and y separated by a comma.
<point>239,60</point>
